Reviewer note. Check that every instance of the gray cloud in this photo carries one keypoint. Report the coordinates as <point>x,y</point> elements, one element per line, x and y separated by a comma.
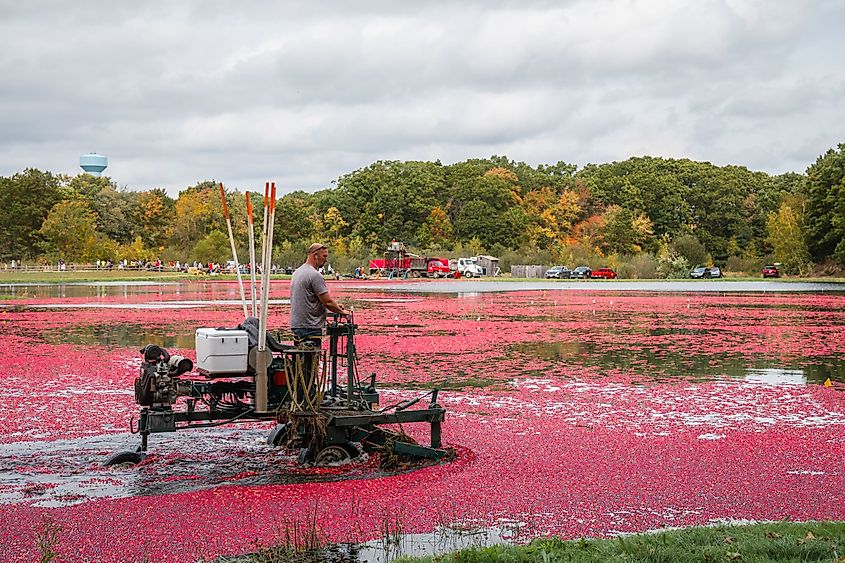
<point>175,93</point>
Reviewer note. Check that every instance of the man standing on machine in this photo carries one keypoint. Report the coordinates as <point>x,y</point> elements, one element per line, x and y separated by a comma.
<point>310,297</point>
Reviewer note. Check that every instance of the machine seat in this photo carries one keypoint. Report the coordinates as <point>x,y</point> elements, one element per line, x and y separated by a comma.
<point>250,325</point>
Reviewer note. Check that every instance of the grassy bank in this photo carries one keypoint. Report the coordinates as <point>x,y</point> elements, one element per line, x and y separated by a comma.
<point>92,276</point>
<point>755,543</point>
<point>726,279</point>
<point>772,542</point>
<point>113,276</point>
<point>9,276</point>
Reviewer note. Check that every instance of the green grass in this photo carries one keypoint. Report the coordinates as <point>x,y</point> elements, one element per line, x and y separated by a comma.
<point>727,279</point>
<point>9,276</point>
<point>755,543</point>
<point>103,275</point>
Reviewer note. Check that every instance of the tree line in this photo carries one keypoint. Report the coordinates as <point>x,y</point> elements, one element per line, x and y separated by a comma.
<point>647,216</point>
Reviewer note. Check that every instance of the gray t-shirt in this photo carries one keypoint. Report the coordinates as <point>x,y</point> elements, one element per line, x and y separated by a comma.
<point>306,310</point>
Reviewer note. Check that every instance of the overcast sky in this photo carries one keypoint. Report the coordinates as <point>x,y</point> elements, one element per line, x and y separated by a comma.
<point>175,92</point>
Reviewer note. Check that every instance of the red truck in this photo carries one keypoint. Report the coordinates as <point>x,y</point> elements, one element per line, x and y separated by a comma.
<point>415,266</point>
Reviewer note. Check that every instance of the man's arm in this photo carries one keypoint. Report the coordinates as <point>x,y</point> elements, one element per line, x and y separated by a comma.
<point>328,301</point>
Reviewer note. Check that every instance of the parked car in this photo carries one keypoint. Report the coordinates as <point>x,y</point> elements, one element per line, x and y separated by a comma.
<point>558,272</point>
<point>702,272</point>
<point>771,272</point>
<point>603,274</point>
<point>581,272</point>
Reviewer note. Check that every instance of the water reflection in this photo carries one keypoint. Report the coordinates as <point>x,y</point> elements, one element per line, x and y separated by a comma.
<point>114,336</point>
<point>146,305</point>
<point>443,539</point>
<point>218,289</point>
<point>776,376</point>
<point>664,363</point>
<point>692,286</point>
<point>133,335</point>
<point>79,289</point>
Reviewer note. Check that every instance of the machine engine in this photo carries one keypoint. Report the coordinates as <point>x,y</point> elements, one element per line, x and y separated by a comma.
<point>158,382</point>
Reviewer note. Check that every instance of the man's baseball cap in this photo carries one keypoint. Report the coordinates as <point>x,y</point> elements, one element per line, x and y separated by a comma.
<point>316,246</point>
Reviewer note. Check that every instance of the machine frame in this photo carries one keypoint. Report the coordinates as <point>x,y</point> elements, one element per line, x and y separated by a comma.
<point>348,413</point>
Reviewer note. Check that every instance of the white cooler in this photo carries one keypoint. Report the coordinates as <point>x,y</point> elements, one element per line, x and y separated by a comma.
<point>221,351</point>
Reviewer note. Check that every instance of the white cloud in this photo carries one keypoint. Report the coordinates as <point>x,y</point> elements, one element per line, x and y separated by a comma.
<point>175,93</point>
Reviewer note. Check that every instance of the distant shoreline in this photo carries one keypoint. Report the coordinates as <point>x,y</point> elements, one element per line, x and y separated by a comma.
<point>55,277</point>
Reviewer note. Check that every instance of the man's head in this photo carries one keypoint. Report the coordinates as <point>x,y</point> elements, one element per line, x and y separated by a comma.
<point>318,254</point>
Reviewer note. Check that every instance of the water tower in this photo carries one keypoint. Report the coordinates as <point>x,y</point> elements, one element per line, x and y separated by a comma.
<point>93,163</point>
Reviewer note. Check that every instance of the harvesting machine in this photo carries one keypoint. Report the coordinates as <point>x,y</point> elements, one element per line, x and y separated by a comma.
<point>318,400</point>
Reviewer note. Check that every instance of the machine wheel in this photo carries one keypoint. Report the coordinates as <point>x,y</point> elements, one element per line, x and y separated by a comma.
<point>125,457</point>
<point>331,454</point>
<point>467,274</point>
<point>278,435</point>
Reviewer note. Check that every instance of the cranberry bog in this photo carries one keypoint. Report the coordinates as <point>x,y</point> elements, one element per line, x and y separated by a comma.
<point>585,409</point>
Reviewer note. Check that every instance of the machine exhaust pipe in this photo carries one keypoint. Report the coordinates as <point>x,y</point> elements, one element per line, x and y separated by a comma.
<point>179,365</point>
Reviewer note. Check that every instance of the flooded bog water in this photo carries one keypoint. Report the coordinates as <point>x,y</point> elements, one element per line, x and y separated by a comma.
<point>67,472</point>
<point>582,408</point>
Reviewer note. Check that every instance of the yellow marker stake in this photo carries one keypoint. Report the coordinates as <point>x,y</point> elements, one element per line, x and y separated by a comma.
<point>827,383</point>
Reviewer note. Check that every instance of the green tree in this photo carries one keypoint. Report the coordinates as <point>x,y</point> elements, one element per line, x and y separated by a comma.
<point>214,247</point>
<point>112,207</point>
<point>680,195</point>
<point>70,232</point>
<point>334,224</point>
<point>670,263</point>
<point>786,235</point>
<point>509,229</point>
<point>690,249</point>
<point>644,233</point>
<point>826,206</point>
<point>619,233</point>
<point>476,220</point>
<point>437,231</point>
<point>153,212</point>
<point>199,211</point>
<point>136,250</point>
<point>387,200</point>
<point>25,200</point>
<point>296,218</point>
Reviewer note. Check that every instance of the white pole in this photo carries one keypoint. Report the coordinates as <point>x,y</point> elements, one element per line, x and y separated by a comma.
<point>264,226</point>
<point>268,258</point>
<point>234,252</point>
<point>264,357</point>
<point>251,225</point>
